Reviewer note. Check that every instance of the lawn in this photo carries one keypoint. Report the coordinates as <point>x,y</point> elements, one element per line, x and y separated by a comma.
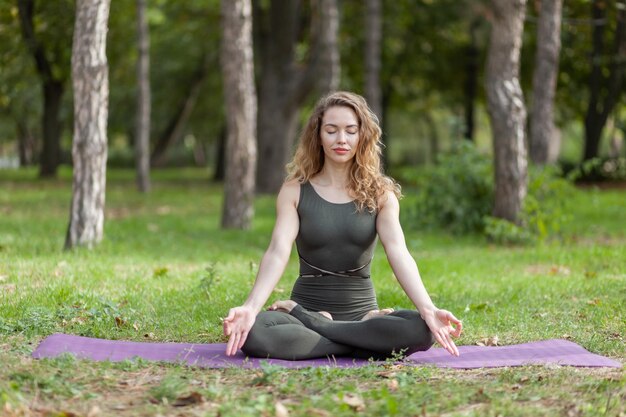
<point>166,272</point>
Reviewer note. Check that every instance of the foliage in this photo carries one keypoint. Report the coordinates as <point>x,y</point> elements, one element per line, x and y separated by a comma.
<point>457,193</point>
<point>599,169</point>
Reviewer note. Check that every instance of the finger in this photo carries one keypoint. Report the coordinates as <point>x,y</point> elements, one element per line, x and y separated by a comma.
<point>440,340</point>
<point>455,350</point>
<point>457,330</point>
<point>453,319</point>
<point>227,329</point>
<point>244,336</point>
<point>235,344</point>
<point>229,345</point>
<point>444,337</point>
<point>231,315</point>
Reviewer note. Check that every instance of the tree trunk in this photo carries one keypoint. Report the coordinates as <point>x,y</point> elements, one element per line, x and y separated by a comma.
<point>505,103</point>
<point>373,57</point>
<point>542,129</point>
<point>52,90</point>
<point>608,87</point>
<point>241,109</point>
<point>471,80</point>
<point>25,141</point>
<point>90,79</point>
<point>142,135</point>
<point>286,84</point>
<point>220,156</point>
<point>176,126</point>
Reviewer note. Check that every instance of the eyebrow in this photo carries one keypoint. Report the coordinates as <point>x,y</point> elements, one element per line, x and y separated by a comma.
<point>334,125</point>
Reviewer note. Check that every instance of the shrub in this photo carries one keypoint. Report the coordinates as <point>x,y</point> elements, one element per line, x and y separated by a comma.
<point>457,193</point>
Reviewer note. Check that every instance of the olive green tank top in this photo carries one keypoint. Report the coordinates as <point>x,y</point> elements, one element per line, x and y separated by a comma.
<point>336,244</point>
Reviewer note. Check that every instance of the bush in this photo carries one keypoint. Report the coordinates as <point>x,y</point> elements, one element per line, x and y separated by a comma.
<point>457,195</point>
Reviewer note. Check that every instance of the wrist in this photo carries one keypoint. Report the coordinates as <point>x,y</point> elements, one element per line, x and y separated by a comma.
<point>427,312</point>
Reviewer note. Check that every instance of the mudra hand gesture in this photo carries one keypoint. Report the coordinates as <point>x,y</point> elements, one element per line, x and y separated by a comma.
<point>443,325</point>
<point>237,325</point>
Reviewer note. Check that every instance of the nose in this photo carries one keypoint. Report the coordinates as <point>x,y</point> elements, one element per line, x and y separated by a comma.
<point>341,136</point>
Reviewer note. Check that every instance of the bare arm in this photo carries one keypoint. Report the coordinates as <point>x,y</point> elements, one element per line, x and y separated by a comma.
<point>406,271</point>
<point>240,319</point>
<point>276,257</point>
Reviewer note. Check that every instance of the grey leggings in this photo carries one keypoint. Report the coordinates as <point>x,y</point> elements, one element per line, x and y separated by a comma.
<point>303,334</point>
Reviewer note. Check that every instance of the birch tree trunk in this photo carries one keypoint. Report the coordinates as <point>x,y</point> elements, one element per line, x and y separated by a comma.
<point>544,138</point>
<point>285,84</point>
<point>90,79</point>
<point>505,104</point>
<point>241,109</point>
<point>142,133</point>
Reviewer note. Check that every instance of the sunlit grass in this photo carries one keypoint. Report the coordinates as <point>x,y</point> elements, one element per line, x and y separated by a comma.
<point>165,271</point>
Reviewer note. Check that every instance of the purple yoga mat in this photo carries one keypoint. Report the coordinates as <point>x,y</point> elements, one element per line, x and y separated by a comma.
<point>555,351</point>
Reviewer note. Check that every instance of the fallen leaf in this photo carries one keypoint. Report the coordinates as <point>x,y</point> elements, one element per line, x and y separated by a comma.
<point>95,411</point>
<point>7,288</point>
<point>136,326</point>
<point>594,302</point>
<point>560,270</point>
<point>164,210</point>
<point>119,322</point>
<point>354,401</point>
<point>392,384</point>
<point>281,410</point>
<point>193,398</point>
<point>566,336</point>
<point>488,341</point>
<point>149,335</point>
<point>3,278</point>
<point>387,374</point>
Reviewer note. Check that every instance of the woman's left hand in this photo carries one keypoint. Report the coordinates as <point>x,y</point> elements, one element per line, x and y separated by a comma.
<point>443,325</point>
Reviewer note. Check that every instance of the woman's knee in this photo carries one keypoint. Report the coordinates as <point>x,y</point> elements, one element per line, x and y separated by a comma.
<point>417,331</point>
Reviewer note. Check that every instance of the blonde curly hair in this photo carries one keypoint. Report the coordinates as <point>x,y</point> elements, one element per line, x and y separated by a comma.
<point>367,182</point>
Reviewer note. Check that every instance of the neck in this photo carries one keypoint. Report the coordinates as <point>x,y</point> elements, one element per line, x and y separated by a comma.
<point>334,175</point>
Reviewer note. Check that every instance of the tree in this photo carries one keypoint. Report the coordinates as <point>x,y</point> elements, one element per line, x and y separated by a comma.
<point>142,135</point>
<point>605,84</point>
<point>373,38</point>
<point>52,74</point>
<point>241,109</point>
<point>506,108</point>
<point>90,79</point>
<point>285,82</point>
<point>544,137</point>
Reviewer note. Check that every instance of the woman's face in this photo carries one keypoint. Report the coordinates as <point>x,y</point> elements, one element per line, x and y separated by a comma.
<point>339,134</point>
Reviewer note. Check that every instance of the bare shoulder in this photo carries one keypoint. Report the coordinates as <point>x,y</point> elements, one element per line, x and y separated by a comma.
<point>289,193</point>
<point>388,202</point>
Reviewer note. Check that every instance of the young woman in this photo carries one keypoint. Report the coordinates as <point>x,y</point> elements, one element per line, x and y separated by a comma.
<point>334,204</point>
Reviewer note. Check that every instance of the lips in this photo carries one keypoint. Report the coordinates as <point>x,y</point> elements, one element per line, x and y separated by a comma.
<point>341,151</point>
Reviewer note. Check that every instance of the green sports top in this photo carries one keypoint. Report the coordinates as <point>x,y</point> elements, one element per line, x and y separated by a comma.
<point>336,244</point>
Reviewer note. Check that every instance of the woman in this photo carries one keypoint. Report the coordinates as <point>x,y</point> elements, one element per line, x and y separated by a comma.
<point>334,204</point>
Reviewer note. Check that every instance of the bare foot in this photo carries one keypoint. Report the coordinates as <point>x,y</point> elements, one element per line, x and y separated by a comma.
<point>326,314</point>
<point>288,305</point>
<point>283,305</point>
<point>377,313</point>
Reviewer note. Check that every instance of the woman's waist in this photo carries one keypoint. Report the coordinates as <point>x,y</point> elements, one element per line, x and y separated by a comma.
<point>344,298</point>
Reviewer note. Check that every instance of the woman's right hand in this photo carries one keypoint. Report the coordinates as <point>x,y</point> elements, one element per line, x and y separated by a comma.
<point>237,325</point>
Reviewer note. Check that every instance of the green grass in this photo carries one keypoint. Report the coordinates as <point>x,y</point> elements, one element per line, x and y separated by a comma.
<point>166,272</point>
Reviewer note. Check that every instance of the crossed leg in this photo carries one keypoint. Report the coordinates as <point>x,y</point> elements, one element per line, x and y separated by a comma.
<point>302,334</point>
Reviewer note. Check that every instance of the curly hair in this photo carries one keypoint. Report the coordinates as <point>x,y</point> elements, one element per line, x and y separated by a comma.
<point>367,182</point>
